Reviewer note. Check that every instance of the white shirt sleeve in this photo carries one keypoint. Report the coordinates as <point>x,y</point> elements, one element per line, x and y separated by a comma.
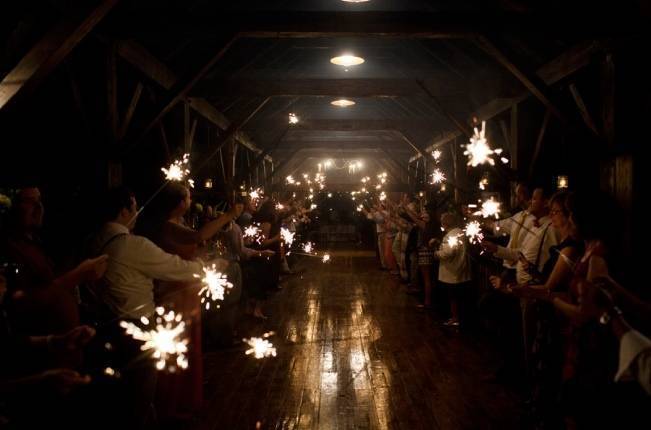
<point>155,263</point>
<point>635,359</point>
<point>510,254</point>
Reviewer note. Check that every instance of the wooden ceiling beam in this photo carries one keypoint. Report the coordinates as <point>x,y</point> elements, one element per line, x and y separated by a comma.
<point>345,87</point>
<point>156,70</point>
<point>564,65</point>
<point>52,49</point>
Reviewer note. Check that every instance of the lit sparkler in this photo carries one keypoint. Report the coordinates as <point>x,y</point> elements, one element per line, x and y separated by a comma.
<point>453,241</point>
<point>383,196</point>
<point>308,247</point>
<point>489,208</point>
<point>326,258</point>
<point>256,194</point>
<point>288,236</point>
<point>215,285</point>
<point>473,232</point>
<point>254,233</point>
<point>290,180</point>
<point>293,119</point>
<point>438,177</point>
<point>260,346</point>
<point>166,341</point>
<point>477,150</point>
<point>178,170</point>
<point>436,154</point>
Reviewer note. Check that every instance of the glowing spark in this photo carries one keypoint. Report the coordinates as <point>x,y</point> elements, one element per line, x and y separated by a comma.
<point>383,196</point>
<point>290,180</point>
<point>165,341</point>
<point>293,119</point>
<point>178,170</point>
<point>504,160</point>
<point>312,206</point>
<point>256,194</point>
<point>308,247</point>
<point>436,154</point>
<point>489,208</point>
<point>260,346</point>
<point>280,207</point>
<point>378,187</point>
<point>254,232</point>
<point>453,241</point>
<point>215,285</point>
<point>359,208</point>
<point>288,236</point>
<point>438,177</point>
<point>329,195</point>
<point>326,258</point>
<point>473,232</point>
<point>477,150</point>
<point>109,371</point>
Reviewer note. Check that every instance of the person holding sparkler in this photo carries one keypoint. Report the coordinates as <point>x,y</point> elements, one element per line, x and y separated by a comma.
<point>454,266</point>
<point>127,292</point>
<point>180,395</point>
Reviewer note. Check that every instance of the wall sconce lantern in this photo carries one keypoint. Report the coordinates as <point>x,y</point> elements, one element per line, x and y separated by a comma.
<point>562,182</point>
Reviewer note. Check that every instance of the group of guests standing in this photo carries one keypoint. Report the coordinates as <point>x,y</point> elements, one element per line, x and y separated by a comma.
<point>421,243</point>
<point>563,325</point>
<point>93,374</point>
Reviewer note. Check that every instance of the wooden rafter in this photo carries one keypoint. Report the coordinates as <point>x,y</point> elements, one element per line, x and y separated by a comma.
<point>560,67</point>
<point>531,81</point>
<point>52,48</point>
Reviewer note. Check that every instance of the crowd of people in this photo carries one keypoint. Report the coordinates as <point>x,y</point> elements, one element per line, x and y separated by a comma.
<point>66,354</point>
<point>565,329</point>
<point>568,334</point>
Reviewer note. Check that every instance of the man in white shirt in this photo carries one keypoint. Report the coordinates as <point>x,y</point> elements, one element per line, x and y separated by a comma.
<point>516,226</point>
<point>134,261</point>
<point>127,293</point>
<point>532,251</point>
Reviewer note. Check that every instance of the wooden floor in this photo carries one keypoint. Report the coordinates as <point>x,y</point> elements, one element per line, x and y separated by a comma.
<point>353,352</point>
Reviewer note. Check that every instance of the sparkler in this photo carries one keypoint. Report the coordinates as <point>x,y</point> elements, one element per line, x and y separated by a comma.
<point>473,232</point>
<point>326,258</point>
<point>260,346</point>
<point>293,119</point>
<point>178,170</point>
<point>453,241</point>
<point>290,180</point>
<point>312,206</point>
<point>436,154</point>
<point>477,150</point>
<point>215,285</point>
<point>256,194</point>
<point>308,247</point>
<point>254,232</point>
<point>438,177</point>
<point>489,208</point>
<point>383,196</point>
<point>165,340</point>
<point>288,236</point>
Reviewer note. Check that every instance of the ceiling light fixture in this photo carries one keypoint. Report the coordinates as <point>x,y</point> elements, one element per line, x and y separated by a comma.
<point>347,60</point>
<point>342,103</point>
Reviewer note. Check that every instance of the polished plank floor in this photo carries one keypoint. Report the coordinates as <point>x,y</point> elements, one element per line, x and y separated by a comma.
<point>354,353</point>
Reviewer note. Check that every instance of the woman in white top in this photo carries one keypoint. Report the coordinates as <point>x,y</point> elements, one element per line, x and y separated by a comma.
<point>454,267</point>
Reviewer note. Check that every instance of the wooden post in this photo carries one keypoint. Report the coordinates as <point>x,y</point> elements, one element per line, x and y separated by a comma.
<point>112,93</point>
<point>539,140</point>
<point>514,137</point>
<point>608,98</point>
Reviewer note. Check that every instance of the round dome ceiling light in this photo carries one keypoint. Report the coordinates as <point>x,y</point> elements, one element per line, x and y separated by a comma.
<point>347,60</point>
<point>342,103</point>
